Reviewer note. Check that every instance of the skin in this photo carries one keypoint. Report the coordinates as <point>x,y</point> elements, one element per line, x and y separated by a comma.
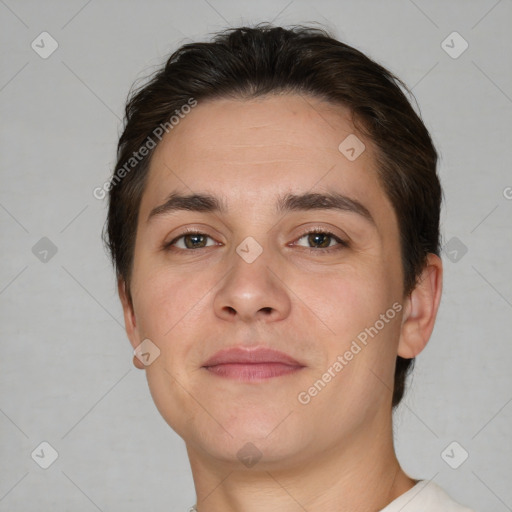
<point>336,452</point>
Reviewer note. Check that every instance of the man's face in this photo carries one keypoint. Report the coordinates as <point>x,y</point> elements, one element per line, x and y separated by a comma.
<point>306,295</point>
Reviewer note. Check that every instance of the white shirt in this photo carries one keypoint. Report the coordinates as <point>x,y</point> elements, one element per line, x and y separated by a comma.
<point>425,496</point>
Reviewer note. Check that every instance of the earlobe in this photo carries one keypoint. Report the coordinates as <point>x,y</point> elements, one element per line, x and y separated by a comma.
<point>129,320</point>
<point>421,308</point>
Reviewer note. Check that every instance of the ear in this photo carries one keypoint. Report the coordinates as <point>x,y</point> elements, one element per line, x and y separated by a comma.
<point>421,309</point>
<point>129,320</point>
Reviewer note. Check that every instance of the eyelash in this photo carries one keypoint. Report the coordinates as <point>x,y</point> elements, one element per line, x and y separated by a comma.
<point>341,243</point>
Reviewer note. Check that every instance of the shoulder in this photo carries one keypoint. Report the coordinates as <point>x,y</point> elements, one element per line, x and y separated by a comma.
<point>425,496</point>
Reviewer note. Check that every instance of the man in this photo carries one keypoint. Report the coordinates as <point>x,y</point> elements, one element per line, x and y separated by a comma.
<point>274,224</point>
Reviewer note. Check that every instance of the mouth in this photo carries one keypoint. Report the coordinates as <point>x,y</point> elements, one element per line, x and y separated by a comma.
<point>246,365</point>
<point>250,372</point>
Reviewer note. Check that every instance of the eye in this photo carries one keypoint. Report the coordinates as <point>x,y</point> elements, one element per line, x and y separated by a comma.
<point>323,240</point>
<point>191,240</point>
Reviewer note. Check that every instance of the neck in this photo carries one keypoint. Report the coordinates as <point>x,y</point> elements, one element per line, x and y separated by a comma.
<point>359,473</point>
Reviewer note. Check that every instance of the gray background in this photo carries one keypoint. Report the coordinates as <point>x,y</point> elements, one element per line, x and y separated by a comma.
<point>66,371</point>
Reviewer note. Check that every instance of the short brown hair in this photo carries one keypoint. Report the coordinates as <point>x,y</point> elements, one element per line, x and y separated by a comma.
<point>247,62</point>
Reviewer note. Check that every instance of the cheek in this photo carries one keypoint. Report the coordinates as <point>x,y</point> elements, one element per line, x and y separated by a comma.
<point>357,307</point>
<point>165,297</point>
<point>174,310</point>
<point>153,307</point>
<point>347,301</point>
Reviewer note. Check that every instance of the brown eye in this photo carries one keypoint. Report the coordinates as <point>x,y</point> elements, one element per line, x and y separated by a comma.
<point>322,240</point>
<point>189,240</point>
<point>193,241</point>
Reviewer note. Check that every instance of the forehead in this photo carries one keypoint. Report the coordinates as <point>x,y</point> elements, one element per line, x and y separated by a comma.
<point>251,151</point>
<point>273,129</point>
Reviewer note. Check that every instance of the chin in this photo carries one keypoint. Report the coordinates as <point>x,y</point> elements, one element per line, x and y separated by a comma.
<point>268,440</point>
<point>246,452</point>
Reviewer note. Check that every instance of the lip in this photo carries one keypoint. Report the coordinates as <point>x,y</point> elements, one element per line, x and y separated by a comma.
<point>250,365</point>
<point>241,355</point>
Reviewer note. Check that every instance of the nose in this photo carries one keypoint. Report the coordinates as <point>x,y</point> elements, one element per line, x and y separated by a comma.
<point>252,292</point>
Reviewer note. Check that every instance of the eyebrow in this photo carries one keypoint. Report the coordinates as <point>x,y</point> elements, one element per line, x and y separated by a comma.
<point>287,203</point>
